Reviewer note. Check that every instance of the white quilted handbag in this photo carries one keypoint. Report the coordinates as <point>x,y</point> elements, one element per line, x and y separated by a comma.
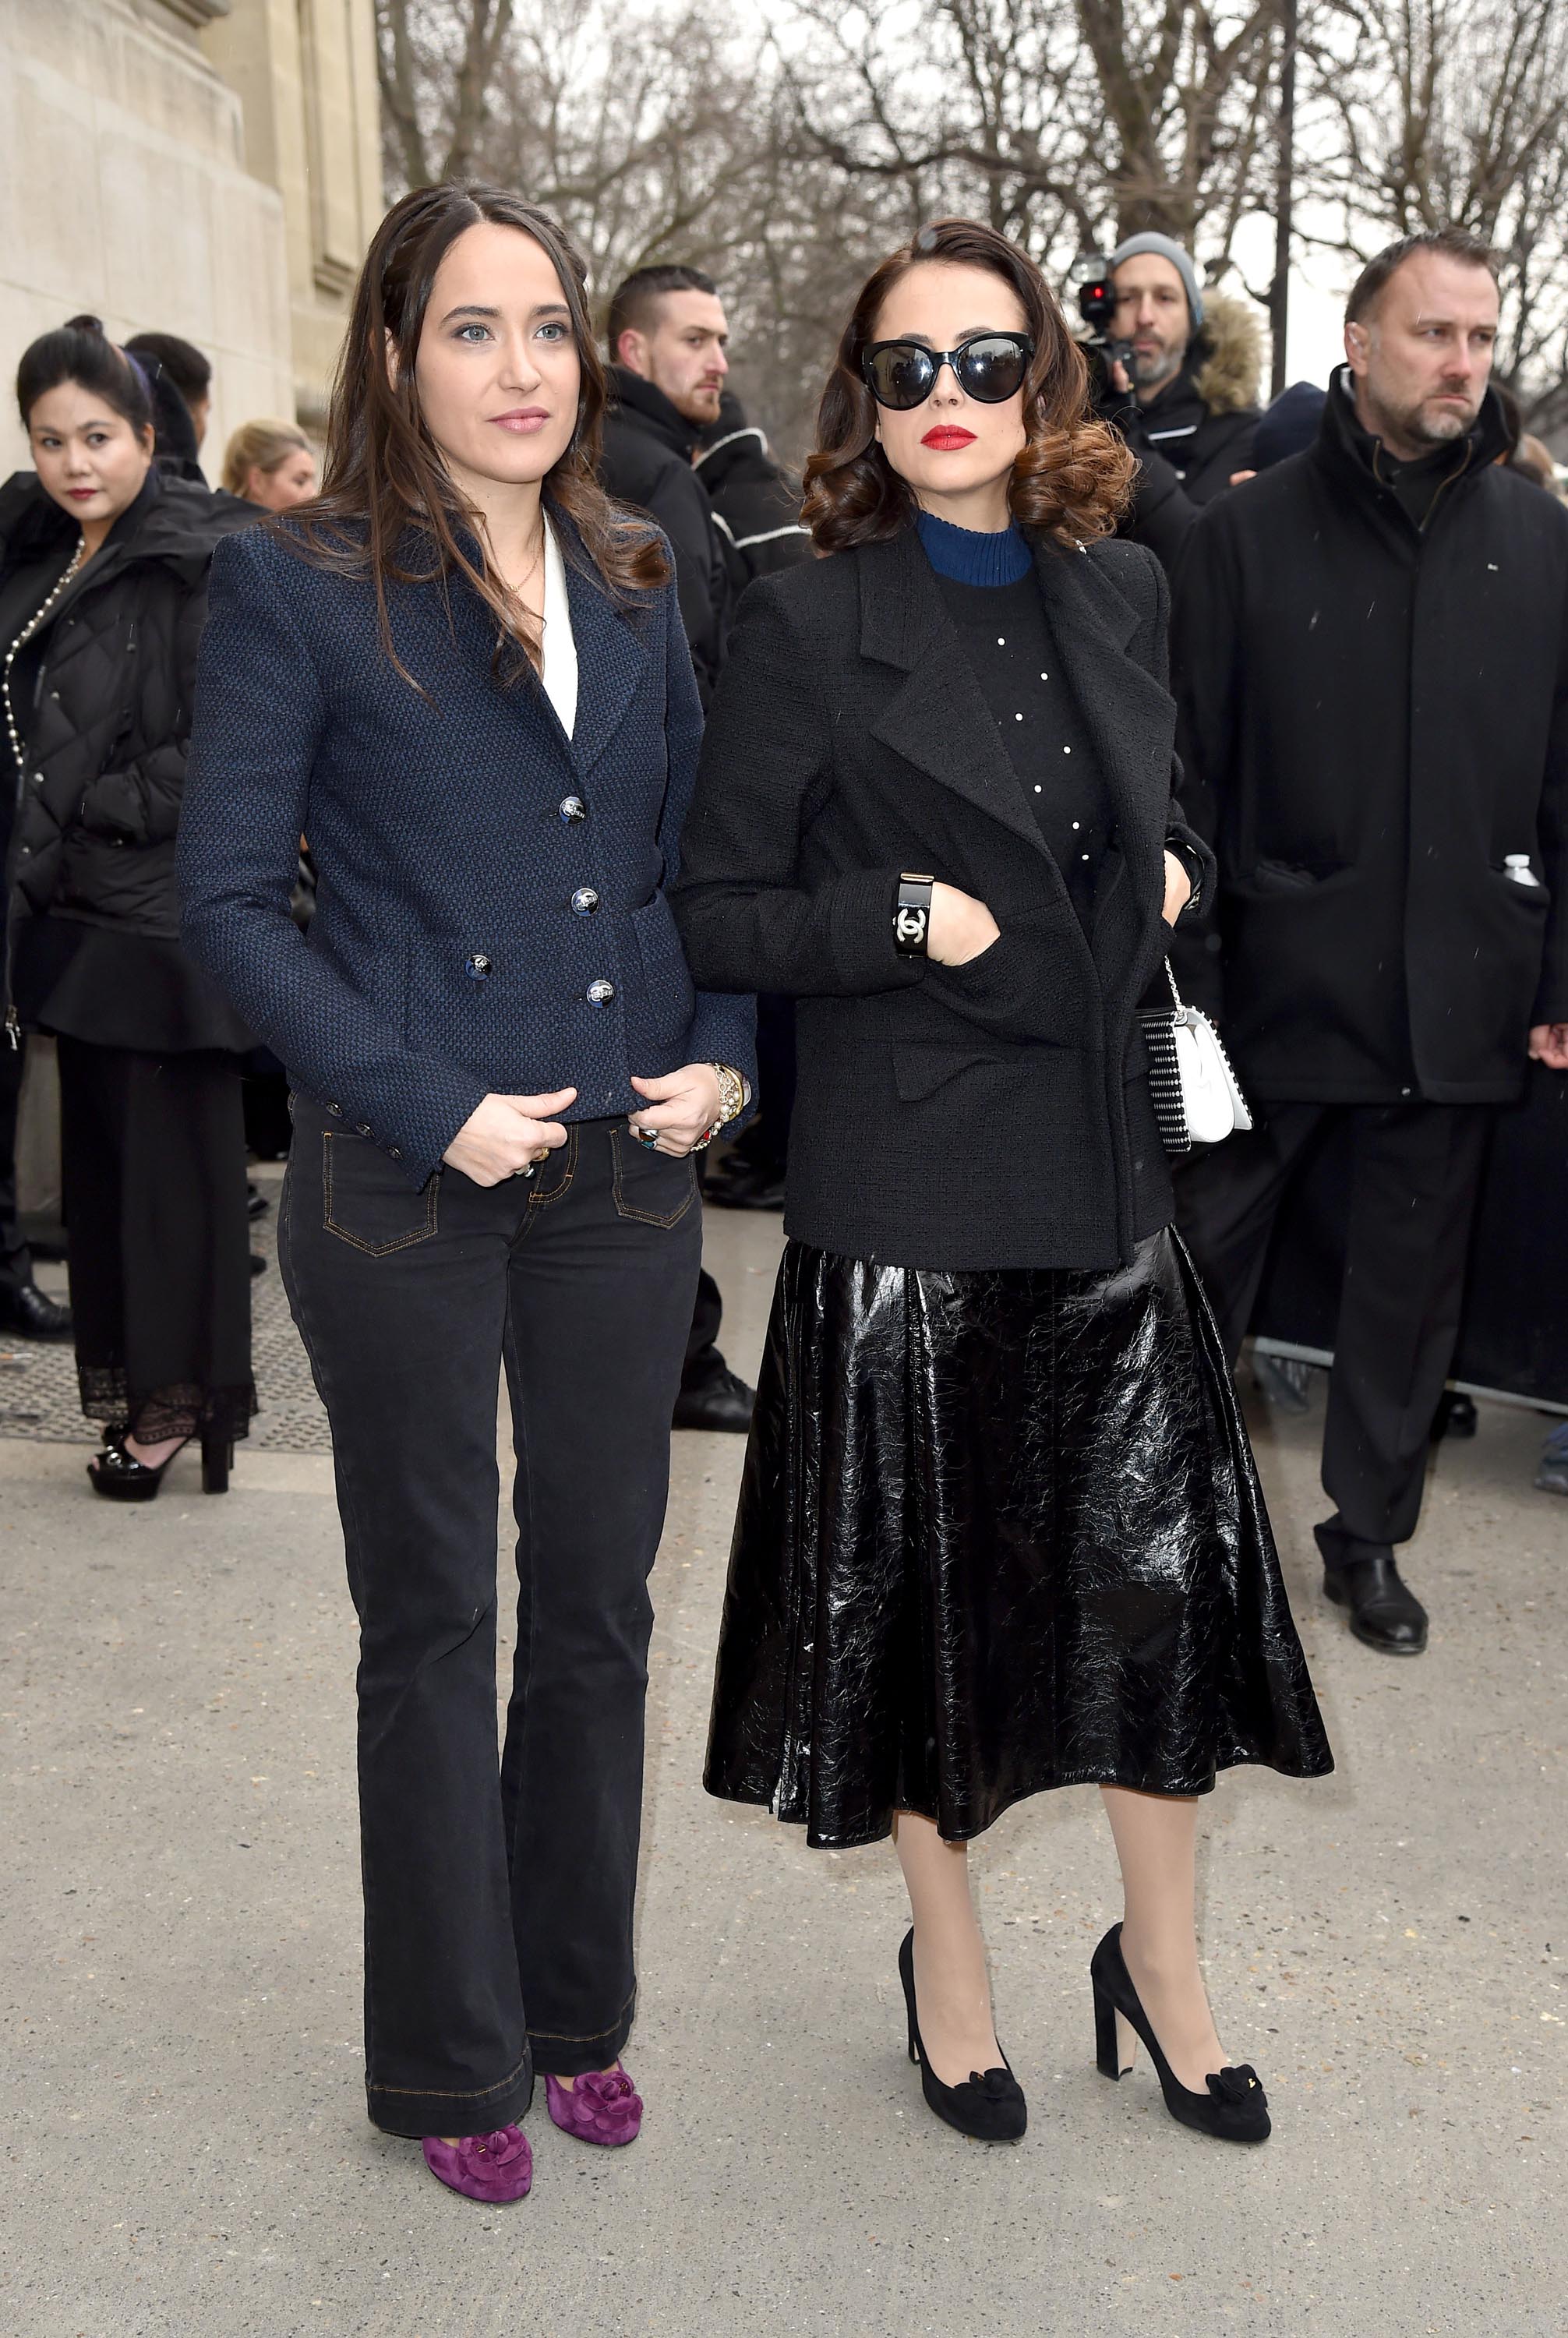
<point>1197,1100</point>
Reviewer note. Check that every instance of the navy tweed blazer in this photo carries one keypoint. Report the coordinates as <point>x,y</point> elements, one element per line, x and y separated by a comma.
<point>491,915</point>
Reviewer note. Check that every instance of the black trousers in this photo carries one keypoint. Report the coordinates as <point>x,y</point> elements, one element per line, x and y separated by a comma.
<point>16,1264</point>
<point>498,1893</point>
<point>152,1160</point>
<point>704,1360</point>
<point>764,1145</point>
<point>1416,1172</point>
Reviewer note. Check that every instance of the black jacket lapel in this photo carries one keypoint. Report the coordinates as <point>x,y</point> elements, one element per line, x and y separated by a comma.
<point>1130,715</point>
<point>939,720</point>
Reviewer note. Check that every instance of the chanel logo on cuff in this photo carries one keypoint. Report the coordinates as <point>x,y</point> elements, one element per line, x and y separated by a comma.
<point>912,918</point>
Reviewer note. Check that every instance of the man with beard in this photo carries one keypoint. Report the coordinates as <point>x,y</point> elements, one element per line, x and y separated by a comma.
<point>1186,400</point>
<point>667,334</point>
<point>1370,648</point>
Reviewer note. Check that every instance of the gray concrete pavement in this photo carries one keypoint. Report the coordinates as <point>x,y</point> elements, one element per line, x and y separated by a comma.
<point>185,2149</point>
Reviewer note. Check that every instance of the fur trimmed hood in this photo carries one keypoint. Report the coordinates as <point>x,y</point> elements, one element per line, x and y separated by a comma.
<point>1228,373</point>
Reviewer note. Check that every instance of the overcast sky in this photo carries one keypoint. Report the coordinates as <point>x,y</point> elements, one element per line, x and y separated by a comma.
<point>1314,341</point>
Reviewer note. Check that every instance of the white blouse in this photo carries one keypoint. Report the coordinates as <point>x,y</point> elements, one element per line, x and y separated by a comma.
<point>560,648</point>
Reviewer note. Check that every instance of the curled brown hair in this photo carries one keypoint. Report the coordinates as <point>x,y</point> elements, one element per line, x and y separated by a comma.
<point>1073,476</point>
<point>388,509</point>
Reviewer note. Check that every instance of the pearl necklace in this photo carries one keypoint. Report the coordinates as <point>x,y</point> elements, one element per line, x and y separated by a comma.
<point>25,636</point>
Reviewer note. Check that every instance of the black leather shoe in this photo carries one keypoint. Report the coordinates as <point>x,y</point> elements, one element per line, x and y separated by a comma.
<point>1385,1613</point>
<point>258,1264</point>
<point>745,1188</point>
<point>257,1202</point>
<point>721,1400</point>
<point>26,1308</point>
<point>1455,1416</point>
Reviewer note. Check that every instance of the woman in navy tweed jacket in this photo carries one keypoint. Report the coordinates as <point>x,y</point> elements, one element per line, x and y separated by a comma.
<point>462,676</point>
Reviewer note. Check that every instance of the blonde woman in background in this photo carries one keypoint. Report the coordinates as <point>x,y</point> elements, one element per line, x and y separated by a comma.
<point>271,464</point>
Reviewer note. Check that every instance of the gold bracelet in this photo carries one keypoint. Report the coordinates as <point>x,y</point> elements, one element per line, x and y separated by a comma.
<point>732,1093</point>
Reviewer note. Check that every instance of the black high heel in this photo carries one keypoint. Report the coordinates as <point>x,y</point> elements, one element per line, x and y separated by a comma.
<point>216,1461</point>
<point>1235,2108</point>
<point>120,1476</point>
<point>990,2104</point>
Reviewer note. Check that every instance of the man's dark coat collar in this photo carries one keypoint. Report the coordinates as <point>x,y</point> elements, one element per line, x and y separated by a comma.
<point>637,398</point>
<point>1176,405</point>
<point>1348,451</point>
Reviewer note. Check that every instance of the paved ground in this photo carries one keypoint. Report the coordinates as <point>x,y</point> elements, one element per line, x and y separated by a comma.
<point>186,2151</point>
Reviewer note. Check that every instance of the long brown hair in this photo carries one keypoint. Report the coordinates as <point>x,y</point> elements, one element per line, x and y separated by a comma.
<point>388,509</point>
<point>1073,476</point>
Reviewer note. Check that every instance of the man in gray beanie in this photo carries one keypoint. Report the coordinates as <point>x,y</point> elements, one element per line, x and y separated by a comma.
<point>1186,398</point>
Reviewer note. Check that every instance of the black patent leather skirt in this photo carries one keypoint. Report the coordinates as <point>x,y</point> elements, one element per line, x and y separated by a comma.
<point>999,1531</point>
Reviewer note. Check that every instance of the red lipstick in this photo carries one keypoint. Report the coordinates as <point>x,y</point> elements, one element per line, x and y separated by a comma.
<point>949,437</point>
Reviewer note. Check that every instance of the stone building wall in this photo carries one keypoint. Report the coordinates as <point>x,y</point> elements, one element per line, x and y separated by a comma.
<point>305,70</point>
<point>208,167</point>
<point>205,167</point>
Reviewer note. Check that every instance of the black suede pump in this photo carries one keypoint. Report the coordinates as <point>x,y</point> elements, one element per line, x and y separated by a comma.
<point>989,2106</point>
<point>1235,2108</point>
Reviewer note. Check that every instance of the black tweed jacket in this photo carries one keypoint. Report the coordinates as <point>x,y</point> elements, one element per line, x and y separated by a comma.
<point>491,914</point>
<point>995,1115</point>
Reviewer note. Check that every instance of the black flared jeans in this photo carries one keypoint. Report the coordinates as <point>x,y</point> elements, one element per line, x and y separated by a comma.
<point>498,1892</point>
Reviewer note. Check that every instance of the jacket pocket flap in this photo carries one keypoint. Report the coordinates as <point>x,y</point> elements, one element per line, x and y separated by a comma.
<point>1285,880</point>
<point>920,1071</point>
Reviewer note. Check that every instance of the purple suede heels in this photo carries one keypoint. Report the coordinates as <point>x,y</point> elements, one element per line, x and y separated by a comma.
<point>492,2167</point>
<point>602,2107</point>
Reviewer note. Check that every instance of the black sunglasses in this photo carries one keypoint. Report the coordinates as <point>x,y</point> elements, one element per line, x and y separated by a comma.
<point>990,367</point>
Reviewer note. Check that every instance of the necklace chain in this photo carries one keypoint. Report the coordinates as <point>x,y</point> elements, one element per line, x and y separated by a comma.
<point>12,729</point>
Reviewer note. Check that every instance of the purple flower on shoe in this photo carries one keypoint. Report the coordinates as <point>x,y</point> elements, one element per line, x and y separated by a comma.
<point>492,2167</point>
<point>600,2107</point>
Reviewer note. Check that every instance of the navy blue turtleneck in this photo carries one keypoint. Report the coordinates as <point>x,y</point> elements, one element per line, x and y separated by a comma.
<point>970,555</point>
<point>988,583</point>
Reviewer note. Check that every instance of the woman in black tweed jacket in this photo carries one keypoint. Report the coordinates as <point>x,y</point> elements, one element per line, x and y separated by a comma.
<point>462,676</point>
<point>1000,1529</point>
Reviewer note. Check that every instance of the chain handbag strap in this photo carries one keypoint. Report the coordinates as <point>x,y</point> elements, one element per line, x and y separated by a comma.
<point>1159,1026</point>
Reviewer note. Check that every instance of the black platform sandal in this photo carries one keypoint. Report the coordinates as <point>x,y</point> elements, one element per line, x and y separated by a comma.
<point>119,1477</point>
<point>990,2105</point>
<point>1235,2108</point>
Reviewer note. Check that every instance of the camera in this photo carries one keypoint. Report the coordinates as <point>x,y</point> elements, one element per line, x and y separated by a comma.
<point>1096,296</point>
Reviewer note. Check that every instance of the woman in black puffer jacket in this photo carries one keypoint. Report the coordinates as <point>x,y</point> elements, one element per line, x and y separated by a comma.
<point>103,595</point>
